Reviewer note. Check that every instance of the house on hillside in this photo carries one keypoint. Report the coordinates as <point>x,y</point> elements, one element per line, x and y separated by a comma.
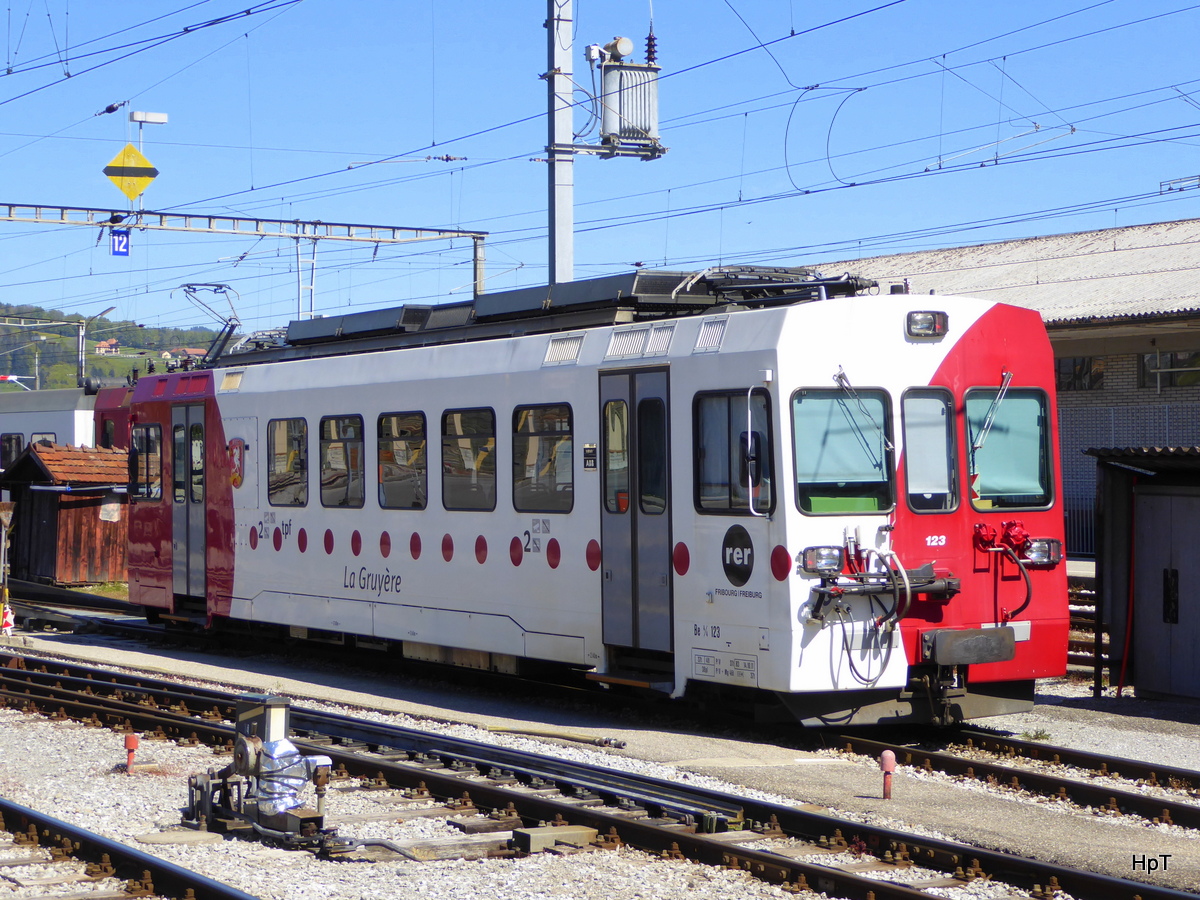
<point>1122,307</point>
<point>178,353</point>
<point>110,347</point>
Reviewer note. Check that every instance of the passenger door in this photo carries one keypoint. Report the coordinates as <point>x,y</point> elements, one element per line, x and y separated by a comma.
<point>635,510</point>
<point>188,500</point>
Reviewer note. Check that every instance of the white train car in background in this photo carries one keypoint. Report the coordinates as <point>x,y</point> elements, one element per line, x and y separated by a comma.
<point>61,416</point>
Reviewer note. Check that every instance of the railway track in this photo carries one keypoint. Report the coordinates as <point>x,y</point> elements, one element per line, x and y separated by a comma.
<point>520,791</point>
<point>62,858</point>
<point>1064,774</point>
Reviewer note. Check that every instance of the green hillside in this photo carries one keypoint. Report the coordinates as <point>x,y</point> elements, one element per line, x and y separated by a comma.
<point>52,350</point>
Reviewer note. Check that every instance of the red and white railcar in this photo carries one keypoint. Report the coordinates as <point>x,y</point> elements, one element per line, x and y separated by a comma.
<point>749,483</point>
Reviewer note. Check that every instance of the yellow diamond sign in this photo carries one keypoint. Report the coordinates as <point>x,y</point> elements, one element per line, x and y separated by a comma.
<point>131,172</point>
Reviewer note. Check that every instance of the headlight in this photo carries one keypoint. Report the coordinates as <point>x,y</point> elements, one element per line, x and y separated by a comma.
<point>927,323</point>
<point>1043,551</point>
<point>822,560</point>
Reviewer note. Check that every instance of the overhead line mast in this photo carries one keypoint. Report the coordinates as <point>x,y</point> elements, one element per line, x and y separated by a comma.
<point>560,156</point>
<point>629,104</point>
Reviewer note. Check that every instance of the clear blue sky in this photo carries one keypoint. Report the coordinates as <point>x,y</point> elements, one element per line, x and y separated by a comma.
<point>861,128</point>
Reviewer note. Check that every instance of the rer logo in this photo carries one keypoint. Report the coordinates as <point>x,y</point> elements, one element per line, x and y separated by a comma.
<point>737,555</point>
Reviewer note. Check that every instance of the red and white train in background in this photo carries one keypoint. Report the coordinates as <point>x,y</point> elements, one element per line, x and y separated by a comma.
<point>758,484</point>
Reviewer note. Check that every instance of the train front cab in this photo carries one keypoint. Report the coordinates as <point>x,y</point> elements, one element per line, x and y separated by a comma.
<point>966,573</point>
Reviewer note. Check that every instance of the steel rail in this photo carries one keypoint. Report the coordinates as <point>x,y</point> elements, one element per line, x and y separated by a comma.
<point>982,739</point>
<point>1084,759</point>
<point>1164,809</point>
<point>531,807</point>
<point>169,879</point>
<point>660,796</point>
<point>804,825</point>
<point>673,798</point>
<point>553,769</point>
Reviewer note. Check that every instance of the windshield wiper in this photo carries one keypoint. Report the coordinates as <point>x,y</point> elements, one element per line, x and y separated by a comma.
<point>990,418</point>
<point>843,382</point>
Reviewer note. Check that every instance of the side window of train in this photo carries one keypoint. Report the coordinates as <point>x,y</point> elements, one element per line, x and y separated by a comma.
<point>469,459</point>
<point>403,461</point>
<point>930,460</point>
<point>145,462</point>
<point>1008,444</point>
<point>342,463</point>
<point>652,455</point>
<point>616,456</point>
<point>43,437</point>
<point>543,478</point>
<point>187,468</point>
<point>735,452</point>
<point>196,463</point>
<point>843,451</point>
<point>287,462</point>
<point>11,446</point>
<point>179,455</point>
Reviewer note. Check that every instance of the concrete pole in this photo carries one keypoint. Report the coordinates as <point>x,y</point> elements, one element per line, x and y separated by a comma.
<point>559,24</point>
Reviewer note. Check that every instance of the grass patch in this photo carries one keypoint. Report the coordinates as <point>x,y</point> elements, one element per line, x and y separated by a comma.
<point>114,590</point>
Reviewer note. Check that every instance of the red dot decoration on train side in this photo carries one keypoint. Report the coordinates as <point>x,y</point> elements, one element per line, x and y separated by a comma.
<point>253,537</point>
<point>593,554</point>
<point>515,553</point>
<point>414,546</point>
<point>328,541</point>
<point>385,545</point>
<point>302,540</point>
<point>553,553</point>
<point>781,563</point>
<point>447,547</point>
<point>277,539</point>
<point>481,549</point>
<point>681,558</point>
<point>355,542</point>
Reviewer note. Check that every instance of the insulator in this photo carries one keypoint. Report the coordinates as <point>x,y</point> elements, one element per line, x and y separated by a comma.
<point>651,48</point>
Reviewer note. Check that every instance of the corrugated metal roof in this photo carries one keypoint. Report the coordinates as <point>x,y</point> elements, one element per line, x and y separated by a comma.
<point>1143,452</point>
<point>1117,273</point>
<point>1150,460</point>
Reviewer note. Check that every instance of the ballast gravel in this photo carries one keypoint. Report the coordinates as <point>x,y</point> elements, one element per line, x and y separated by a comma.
<point>70,770</point>
<point>77,774</point>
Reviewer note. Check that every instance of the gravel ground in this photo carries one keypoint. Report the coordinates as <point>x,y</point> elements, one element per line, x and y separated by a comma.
<point>70,770</point>
<point>77,774</point>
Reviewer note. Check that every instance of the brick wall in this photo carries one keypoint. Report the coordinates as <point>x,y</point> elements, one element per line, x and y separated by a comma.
<point>1119,414</point>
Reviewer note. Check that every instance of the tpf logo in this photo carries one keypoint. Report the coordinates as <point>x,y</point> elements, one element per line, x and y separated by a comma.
<point>737,555</point>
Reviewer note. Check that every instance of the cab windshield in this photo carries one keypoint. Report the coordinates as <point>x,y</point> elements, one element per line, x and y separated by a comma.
<point>842,451</point>
<point>1008,441</point>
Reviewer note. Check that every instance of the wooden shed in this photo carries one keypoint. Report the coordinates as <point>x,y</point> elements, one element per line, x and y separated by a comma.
<point>70,520</point>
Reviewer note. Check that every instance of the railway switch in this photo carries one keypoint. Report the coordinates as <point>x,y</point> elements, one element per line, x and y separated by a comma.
<point>260,790</point>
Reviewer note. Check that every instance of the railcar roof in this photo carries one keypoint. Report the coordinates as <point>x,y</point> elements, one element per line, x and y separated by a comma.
<point>56,400</point>
<point>612,300</point>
